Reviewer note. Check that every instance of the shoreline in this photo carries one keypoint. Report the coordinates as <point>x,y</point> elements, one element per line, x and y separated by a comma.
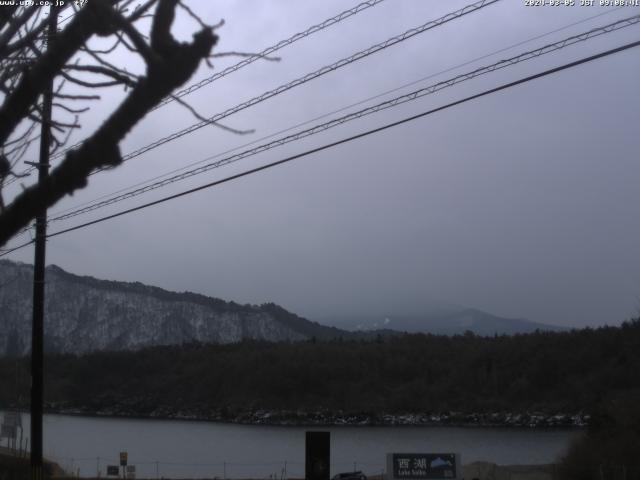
<point>286,418</point>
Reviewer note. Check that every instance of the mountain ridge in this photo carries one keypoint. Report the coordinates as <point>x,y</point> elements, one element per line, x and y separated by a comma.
<point>85,314</point>
<point>455,321</point>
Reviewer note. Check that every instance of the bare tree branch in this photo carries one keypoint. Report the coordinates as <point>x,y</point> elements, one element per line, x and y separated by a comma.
<point>69,109</point>
<point>141,11</point>
<point>14,26</point>
<point>171,64</point>
<point>88,21</point>
<point>195,113</point>
<point>24,41</point>
<point>118,78</point>
<point>76,97</point>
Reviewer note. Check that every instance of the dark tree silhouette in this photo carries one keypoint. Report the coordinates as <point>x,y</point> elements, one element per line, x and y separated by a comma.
<point>29,61</point>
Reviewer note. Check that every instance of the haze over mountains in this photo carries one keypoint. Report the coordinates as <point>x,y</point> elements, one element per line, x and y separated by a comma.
<point>84,314</point>
<point>441,320</point>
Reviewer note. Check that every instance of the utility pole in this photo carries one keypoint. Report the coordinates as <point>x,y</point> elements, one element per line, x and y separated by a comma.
<point>37,333</point>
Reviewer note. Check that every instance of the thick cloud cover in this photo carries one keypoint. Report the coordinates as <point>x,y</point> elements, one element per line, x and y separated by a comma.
<point>523,203</point>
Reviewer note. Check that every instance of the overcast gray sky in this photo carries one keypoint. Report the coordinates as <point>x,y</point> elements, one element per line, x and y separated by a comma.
<point>523,203</point>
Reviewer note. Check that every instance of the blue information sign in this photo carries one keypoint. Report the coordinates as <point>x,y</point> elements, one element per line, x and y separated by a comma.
<point>424,466</point>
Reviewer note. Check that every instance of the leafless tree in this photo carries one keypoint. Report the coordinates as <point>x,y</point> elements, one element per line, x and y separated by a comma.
<point>29,61</point>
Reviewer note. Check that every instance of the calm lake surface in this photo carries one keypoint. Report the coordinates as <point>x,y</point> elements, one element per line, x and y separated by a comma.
<point>205,450</point>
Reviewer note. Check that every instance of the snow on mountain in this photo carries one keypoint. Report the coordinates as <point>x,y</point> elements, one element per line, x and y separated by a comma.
<point>84,314</point>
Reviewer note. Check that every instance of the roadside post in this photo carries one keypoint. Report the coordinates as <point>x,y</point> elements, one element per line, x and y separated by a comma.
<point>10,424</point>
<point>123,463</point>
<point>8,431</point>
<point>317,455</point>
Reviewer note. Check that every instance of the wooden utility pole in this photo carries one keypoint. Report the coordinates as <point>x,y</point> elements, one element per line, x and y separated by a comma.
<point>37,333</point>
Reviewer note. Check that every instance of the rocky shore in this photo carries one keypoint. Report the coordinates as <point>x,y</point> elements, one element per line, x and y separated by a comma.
<point>323,417</point>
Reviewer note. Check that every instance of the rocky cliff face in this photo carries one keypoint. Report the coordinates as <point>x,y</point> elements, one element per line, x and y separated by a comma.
<point>85,314</point>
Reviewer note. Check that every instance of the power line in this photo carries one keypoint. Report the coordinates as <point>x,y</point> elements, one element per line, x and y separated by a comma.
<point>304,79</point>
<point>7,251</point>
<point>68,17</point>
<point>272,49</point>
<point>359,114</point>
<point>33,168</point>
<point>320,117</point>
<point>249,60</point>
<point>351,138</point>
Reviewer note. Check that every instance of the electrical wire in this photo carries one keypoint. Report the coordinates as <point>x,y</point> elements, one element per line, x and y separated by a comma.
<point>359,114</point>
<point>11,250</point>
<point>342,109</point>
<point>270,50</point>
<point>301,80</point>
<point>367,133</point>
<point>247,61</point>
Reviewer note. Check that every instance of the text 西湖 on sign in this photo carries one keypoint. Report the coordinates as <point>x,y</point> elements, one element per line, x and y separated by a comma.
<point>423,466</point>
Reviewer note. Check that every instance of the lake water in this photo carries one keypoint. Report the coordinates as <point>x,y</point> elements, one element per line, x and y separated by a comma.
<point>177,449</point>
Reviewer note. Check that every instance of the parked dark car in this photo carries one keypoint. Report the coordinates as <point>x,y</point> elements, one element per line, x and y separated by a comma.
<point>350,476</point>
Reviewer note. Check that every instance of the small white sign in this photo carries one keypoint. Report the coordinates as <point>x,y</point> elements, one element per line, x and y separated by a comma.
<point>8,431</point>
<point>12,419</point>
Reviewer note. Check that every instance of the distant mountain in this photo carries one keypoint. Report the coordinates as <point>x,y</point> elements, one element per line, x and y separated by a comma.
<point>84,314</point>
<point>443,320</point>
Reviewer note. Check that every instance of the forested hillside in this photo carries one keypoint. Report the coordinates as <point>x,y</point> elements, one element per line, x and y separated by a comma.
<point>85,314</point>
<point>546,372</point>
